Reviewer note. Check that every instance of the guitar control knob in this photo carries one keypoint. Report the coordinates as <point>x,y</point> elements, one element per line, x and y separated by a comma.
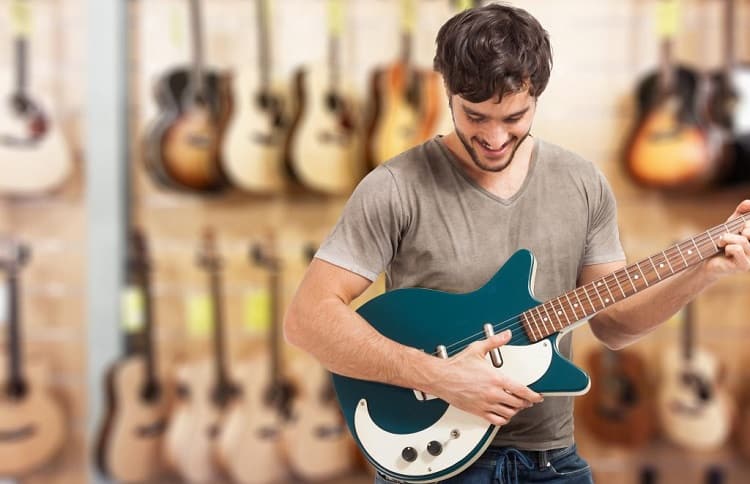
<point>435,448</point>
<point>409,454</point>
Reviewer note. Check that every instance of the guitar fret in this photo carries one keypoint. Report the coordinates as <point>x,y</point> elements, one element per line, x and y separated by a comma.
<point>716,247</point>
<point>557,316</point>
<point>617,280</point>
<point>696,248</point>
<point>610,292</point>
<point>586,292</point>
<point>600,296</point>
<point>562,310</point>
<point>544,320</point>
<point>655,269</point>
<point>583,308</point>
<point>683,257</point>
<point>572,307</point>
<point>669,263</point>
<point>530,314</point>
<point>635,289</point>
<point>645,279</point>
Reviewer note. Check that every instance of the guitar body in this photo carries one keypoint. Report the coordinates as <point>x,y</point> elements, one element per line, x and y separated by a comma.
<point>618,408</point>
<point>34,157</point>
<point>317,441</point>
<point>183,144</point>
<point>130,445</point>
<point>740,78</point>
<point>669,149</point>
<point>406,110</point>
<point>323,142</point>
<point>253,151</point>
<point>195,424</point>
<point>385,419</point>
<point>695,412</point>
<point>32,427</point>
<point>249,446</point>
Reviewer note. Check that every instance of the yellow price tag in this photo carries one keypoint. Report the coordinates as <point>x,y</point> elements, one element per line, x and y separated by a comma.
<point>335,17</point>
<point>176,27</point>
<point>464,5</point>
<point>20,15</point>
<point>667,18</point>
<point>200,315</point>
<point>408,15</point>
<point>133,307</point>
<point>257,310</point>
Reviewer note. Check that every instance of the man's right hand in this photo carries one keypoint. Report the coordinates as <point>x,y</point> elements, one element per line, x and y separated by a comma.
<point>469,382</point>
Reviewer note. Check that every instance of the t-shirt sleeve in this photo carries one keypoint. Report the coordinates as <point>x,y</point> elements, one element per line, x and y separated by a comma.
<point>603,237</point>
<point>365,238</point>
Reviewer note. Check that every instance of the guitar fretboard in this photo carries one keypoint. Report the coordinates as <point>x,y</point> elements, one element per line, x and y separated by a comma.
<point>585,301</point>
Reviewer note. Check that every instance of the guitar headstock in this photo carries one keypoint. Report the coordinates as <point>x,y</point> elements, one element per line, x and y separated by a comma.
<point>264,254</point>
<point>208,253</point>
<point>14,254</point>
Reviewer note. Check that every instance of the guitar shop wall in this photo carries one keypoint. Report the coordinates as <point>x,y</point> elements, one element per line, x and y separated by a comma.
<point>43,227</point>
<point>196,196</point>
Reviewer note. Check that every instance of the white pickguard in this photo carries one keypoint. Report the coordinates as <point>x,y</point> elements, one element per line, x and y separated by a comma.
<point>524,364</point>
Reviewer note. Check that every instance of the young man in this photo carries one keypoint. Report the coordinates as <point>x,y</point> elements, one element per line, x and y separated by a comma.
<point>447,214</point>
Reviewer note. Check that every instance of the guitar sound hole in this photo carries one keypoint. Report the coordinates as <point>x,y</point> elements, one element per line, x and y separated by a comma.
<point>183,391</point>
<point>151,392</point>
<point>16,390</point>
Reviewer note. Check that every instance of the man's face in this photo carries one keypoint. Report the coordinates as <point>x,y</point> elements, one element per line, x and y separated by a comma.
<point>491,132</point>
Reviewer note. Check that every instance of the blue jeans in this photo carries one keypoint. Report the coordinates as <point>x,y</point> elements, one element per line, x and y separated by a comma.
<point>507,465</point>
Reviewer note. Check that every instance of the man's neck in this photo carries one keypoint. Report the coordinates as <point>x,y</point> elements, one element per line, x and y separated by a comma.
<point>503,184</point>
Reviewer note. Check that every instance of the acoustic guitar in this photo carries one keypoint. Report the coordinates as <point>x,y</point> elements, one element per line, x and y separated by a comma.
<point>618,409</point>
<point>250,445</point>
<point>323,141</point>
<point>182,146</point>
<point>695,411</point>
<point>405,100</point>
<point>204,389</point>
<point>316,439</point>
<point>415,437</point>
<point>130,441</point>
<point>256,132</point>
<point>668,148</point>
<point>32,423</point>
<point>34,157</point>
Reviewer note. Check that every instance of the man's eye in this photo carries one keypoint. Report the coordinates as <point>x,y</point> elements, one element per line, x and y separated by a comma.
<point>475,120</point>
<point>514,120</point>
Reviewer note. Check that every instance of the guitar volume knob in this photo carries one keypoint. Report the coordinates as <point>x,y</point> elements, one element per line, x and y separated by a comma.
<point>435,448</point>
<point>409,454</point>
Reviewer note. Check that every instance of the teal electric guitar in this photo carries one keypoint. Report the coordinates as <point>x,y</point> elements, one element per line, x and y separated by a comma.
<point>413,437</point>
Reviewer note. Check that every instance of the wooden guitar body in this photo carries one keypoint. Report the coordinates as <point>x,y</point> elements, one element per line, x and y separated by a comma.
<point>195,424</point>
<point>695,412</point>
<point>669,149</point>
<point>323,141</point>
<point>318,444</point>
<point>34,156</point>
<point>250,442</point>
<point>618,408</point>
<point>406,110</point>
<point>183,145</point>
<point>253,151</point>
<point>32,425</point>
<point>130,445</point>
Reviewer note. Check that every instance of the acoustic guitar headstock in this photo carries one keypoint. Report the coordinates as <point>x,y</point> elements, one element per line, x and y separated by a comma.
<point>208,253</point>
<point>14,254</point>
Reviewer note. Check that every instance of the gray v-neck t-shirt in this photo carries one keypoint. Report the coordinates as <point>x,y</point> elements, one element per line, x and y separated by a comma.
<point>426,223</point>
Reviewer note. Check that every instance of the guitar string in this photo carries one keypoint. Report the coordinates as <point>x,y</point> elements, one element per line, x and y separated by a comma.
<point>518,324</point>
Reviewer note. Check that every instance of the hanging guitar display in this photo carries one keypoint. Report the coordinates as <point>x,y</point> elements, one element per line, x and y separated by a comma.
<point>413,437</point>
<point>204,389</point>
<point>182,146</point>
<point>405,100</point>
<point>668,148</point>
<point>317,442</point>
<point>250,445</point>
<point>32,424</point>
<point>323,143</point>
<point>34,157</point>
<point>130,441</point>
<point>695,411</point>
<point>618,409</point>
<point>255,136</point>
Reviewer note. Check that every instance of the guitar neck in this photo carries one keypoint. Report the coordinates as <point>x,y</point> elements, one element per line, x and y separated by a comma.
<point>218,330</point>
<point>274,334</point>
<point>588,300</point>
<point>196,72</point>
<point>688,338</point>
<point>264,62</point>
<point>15,351</point>
<point>21,48</point>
